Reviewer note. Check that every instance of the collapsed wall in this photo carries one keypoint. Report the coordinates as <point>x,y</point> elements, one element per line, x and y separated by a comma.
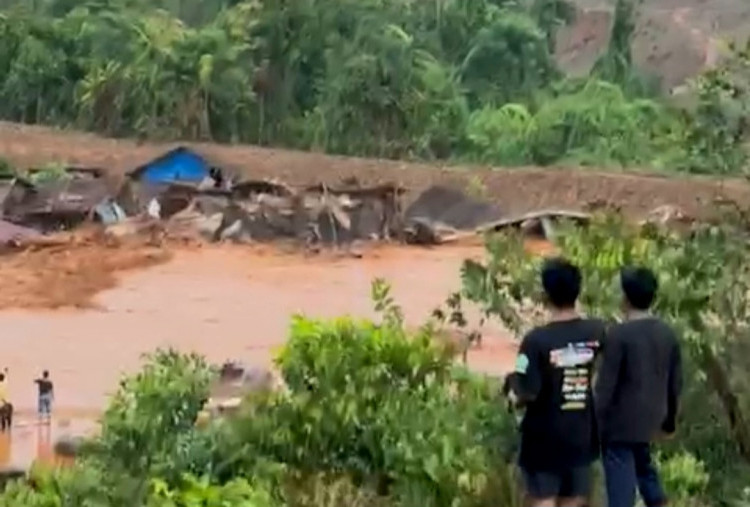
<point>264,211</point>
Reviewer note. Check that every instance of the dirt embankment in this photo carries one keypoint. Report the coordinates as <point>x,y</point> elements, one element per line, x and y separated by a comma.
<point>514,190</point>
<point>71,274</point>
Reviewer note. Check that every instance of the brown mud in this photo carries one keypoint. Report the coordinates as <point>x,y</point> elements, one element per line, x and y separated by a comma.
<point>69,275</point>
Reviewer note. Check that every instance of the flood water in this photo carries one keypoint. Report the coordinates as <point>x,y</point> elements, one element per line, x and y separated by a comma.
<point>31,440</point>
<point>224,303</point>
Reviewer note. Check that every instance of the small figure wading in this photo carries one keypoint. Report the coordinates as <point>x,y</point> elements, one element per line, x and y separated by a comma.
<point>46,396</point>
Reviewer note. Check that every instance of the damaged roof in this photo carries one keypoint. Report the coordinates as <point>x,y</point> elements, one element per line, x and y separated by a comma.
<point>453,208</point>
<point>58,197</point>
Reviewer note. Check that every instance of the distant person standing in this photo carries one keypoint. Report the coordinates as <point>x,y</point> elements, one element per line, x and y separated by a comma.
<point>6,407</point>
<point>552,379</point>
<point>46,396</point>
<point>636,394</point>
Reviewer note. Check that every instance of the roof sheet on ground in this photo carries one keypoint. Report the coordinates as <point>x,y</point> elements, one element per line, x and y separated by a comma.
<point>453,208</point>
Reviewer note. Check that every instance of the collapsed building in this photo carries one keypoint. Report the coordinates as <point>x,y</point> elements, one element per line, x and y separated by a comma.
<point>54,205</point>
<point>192,196</point>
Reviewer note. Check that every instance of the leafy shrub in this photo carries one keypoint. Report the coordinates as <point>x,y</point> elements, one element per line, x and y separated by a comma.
<point>153,413</point>
<point>194,492</point>
<point>501,135</point>
<point>382,406</point>
<point>327,490</point>
<point>59,488</point>
<point>591,124</point>
<point>50,173</point>
<point>683,476</point>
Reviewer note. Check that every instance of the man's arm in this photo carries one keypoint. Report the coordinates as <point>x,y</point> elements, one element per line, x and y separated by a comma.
<point>601,337</point>
<point>526,380</point>
<point>674,388</point>
<point>608,374</point>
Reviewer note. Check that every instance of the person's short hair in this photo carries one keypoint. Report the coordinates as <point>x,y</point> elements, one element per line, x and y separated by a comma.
<point>561,281</point>
<point>639,285</point>
<point>45,374</point>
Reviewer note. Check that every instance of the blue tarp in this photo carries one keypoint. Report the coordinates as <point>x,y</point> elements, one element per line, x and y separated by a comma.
<point>181,164</point>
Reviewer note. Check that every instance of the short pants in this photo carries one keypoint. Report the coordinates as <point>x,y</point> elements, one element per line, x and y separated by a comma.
<point>45,404</point>
<point>571,483</point>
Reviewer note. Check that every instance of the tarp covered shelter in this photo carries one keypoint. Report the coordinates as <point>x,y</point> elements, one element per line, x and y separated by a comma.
<point>178,165</point>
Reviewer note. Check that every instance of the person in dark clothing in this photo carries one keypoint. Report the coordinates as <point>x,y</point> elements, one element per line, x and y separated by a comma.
<point>46,396</point>
<point>552,381</point>
<point>636,393</point>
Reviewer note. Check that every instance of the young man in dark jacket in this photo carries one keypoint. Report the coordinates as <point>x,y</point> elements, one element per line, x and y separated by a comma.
<point>552,380</point>
<point>636,393</point>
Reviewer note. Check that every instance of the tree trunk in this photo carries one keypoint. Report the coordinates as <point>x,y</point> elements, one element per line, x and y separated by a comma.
<point>738,423</point>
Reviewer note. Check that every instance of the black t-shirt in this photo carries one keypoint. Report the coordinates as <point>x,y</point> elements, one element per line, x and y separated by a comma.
<point>45,386</point>
<point>553,377</point>
<point>640,381</point>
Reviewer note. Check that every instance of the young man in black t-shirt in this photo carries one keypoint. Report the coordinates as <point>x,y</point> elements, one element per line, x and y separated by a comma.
<point>637,393</point>
<point>552,380</point>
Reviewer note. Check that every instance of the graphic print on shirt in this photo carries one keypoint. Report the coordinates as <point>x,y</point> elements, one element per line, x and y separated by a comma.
<point>575,360</point>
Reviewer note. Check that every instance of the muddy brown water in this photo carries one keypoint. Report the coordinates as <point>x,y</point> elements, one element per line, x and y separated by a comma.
<point>222,302</point>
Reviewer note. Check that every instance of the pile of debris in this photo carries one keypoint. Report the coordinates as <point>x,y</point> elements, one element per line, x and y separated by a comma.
<point>181,195</point>
<point>186,197</point>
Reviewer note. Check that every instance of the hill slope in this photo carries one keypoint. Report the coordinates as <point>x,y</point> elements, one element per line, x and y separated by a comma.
<point>674,39</point>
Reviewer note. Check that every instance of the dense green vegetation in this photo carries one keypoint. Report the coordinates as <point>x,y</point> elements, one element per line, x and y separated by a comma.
<point>461,79</point>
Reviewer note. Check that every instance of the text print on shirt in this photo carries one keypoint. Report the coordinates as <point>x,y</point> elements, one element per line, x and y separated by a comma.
<point>575,360</point>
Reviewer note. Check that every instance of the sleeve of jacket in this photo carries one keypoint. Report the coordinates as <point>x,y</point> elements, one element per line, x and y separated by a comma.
<point>526,379</point>
<point>674,388</point>
<point>608,374</point>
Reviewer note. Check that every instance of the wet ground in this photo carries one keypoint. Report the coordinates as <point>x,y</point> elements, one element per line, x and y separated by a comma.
<point>222,302</point>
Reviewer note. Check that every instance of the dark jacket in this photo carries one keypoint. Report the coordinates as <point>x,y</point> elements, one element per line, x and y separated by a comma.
<point>639,382</point>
